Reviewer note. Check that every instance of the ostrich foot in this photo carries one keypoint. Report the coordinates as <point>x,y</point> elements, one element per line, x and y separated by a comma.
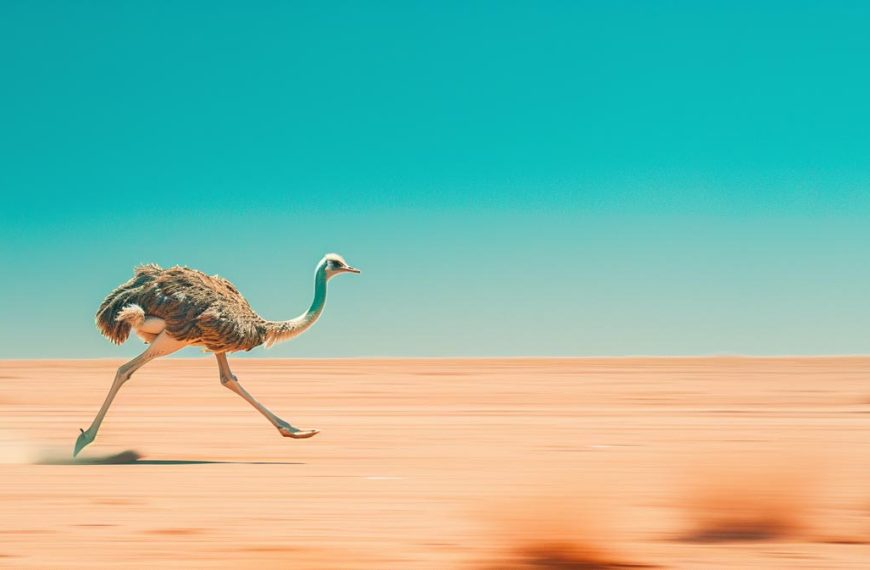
<point>298,433</point>
<point>85,438</point>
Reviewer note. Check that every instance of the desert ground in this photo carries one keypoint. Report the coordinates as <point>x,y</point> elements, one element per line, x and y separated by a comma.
<point>470,464</point>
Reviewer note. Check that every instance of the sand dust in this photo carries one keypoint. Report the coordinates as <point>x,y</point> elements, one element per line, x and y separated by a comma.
<point>469,464</point>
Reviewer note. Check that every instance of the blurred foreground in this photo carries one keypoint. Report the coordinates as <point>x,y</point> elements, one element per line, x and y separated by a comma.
<point>478,464</point>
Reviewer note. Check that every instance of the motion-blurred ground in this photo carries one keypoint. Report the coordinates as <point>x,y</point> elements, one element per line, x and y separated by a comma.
<point>479,464</point>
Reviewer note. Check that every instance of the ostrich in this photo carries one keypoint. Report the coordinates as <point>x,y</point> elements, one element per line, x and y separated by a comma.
<point>177,307</point>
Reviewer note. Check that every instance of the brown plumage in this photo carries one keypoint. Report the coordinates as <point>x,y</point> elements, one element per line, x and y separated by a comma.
<point>204,310</point>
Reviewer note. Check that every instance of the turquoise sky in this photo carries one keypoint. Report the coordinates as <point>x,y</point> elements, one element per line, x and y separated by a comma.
<point>540,178</point>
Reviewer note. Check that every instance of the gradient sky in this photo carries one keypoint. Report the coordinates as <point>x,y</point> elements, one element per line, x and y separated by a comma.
<point>514,178</point>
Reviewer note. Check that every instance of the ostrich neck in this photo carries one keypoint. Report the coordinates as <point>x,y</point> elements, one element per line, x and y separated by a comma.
<point>307,318</point>
<point>283,330</point>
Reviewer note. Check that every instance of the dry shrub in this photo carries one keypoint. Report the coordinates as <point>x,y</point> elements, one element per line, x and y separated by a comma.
<point>754,498</point>
<point>568,528</point>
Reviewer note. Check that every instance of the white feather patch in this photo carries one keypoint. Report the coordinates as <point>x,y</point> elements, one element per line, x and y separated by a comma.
<point>133,314</point>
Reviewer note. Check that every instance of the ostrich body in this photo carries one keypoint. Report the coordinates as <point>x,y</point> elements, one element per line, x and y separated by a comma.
<point>177,307</point>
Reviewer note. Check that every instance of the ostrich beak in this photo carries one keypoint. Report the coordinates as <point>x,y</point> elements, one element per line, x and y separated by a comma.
<point>352,269</point>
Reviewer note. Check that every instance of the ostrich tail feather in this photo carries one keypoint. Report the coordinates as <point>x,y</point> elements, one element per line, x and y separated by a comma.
<point>132,314</point>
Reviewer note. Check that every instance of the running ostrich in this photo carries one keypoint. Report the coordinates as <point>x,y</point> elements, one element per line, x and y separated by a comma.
<point>177,307</point>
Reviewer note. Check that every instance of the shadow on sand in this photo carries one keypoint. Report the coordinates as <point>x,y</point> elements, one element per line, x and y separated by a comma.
<point>131,457</point>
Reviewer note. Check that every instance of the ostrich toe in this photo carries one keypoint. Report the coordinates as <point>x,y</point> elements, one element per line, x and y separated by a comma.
<point>298,434</point>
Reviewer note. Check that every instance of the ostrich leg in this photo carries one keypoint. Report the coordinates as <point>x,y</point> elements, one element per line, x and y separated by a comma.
<point>163,344</point>
<point>229,380</point>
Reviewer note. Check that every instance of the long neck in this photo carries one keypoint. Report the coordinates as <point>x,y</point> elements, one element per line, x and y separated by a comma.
<point>277,331</point>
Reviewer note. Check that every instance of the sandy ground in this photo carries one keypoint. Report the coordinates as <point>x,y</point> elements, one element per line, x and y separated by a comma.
<point>478,464</point>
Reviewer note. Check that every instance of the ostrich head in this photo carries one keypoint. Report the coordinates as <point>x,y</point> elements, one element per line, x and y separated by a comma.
<point>334,264</point>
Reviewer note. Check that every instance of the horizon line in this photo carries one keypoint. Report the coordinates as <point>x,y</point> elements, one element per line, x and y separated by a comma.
<point>484,357</point>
